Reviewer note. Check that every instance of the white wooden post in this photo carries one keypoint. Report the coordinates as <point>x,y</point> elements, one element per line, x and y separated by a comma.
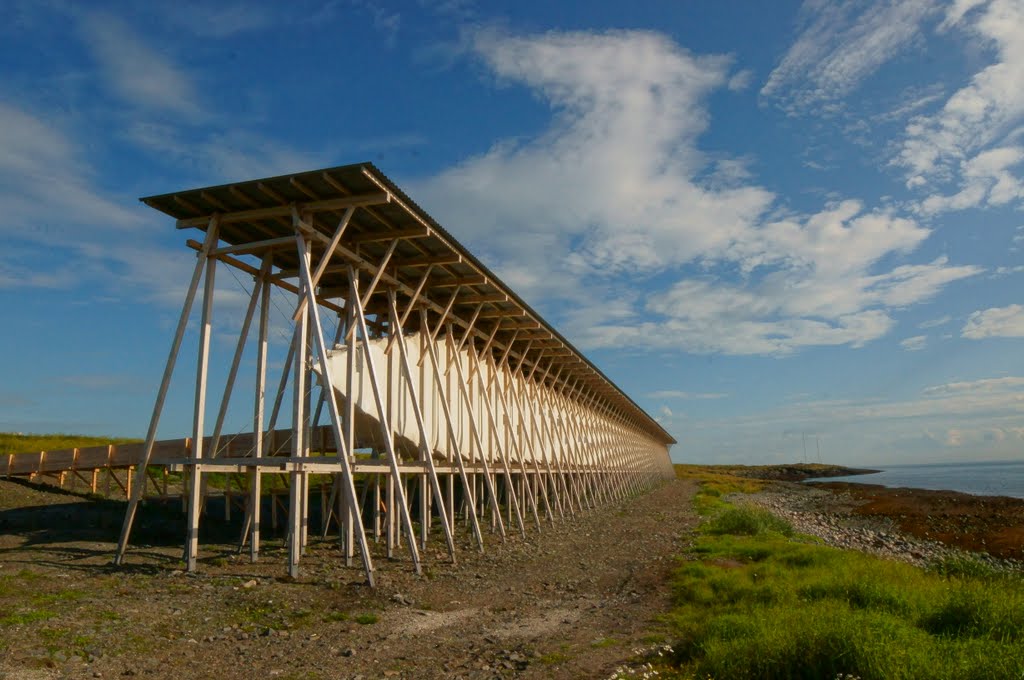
<point>165,383</point>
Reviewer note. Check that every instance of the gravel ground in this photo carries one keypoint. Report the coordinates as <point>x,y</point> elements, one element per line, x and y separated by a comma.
<point>575,600</point>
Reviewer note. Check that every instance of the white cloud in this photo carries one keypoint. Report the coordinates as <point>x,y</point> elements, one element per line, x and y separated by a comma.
<point>616,169</point>
<point>995,322</point>
<point>935,323</point>
<point>840,45</point>
<point>914,343</point>
<point>967,140</point>
<point>617,188</point>
<point>740,81</point>
<point>986,179</point>
<point>137,72</point>
<point>681,394</point>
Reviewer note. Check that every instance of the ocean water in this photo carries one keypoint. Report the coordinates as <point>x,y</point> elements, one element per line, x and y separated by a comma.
<point>1002,478</point>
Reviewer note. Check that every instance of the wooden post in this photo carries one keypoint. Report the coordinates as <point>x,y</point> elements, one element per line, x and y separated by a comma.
<point>332,405</point>
<point>165,383</point>
<point>386,430</point>
<point>467,487</point>
<point>199,415</point>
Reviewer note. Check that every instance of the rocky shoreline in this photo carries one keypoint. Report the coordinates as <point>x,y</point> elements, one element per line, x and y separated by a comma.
<point>832,515</point>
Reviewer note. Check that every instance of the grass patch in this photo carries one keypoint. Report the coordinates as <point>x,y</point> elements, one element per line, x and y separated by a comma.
<point>755,602</point>
<point>747,521</point>
<point>714,484</point>
<point>26,616</point>
<point>553,658</point>
<point>16,442</point>
<point>366,619</point>
<point>335,616</point>
<point>61,596</point>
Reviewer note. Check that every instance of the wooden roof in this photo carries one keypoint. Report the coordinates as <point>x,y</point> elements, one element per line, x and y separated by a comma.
<point>256,216</point>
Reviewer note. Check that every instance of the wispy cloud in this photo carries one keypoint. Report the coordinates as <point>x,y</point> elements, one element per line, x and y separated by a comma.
<point>934,423</point>
<point>995,322</point>
<point>935,323</point>
<point>914,343</point>
<point>137,72</point>
<point>47,189</point>
<point>219,156</point>
<point>840,45</point>
<point>984,385</point>
<point>217,20</point>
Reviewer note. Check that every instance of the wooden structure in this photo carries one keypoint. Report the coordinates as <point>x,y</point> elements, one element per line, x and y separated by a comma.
<point>440,392</point>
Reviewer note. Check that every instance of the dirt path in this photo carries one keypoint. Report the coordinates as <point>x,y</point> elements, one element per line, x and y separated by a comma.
<point>573,601</point>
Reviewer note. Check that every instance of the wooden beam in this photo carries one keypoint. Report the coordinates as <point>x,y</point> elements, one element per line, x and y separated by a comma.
<point>252,246</point>
<point>285,210</point>
<point>424,260</point>
<point>480,299</point>
<point>373,236</point>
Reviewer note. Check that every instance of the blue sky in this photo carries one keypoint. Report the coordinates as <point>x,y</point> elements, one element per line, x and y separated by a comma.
<point>769,223</point>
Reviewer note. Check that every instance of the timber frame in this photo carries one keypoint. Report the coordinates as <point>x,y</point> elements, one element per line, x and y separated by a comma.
<point>440,389</point>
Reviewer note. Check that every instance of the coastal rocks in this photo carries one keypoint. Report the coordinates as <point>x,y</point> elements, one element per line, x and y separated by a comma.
<point>829,516</point>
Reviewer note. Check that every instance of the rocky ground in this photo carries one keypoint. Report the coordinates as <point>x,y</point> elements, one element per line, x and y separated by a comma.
<point>850,516</point>
<point>581,599</point>
<point>576,600</point>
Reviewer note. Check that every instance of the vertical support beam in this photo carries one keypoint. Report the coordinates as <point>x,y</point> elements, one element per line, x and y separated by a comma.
<point>350,421</point>
<point>467,487</point>
<point>475,431</point>
<point>387,432</point>
<point>165,383</point>
<point>299,403</point>
<point>243,335</point>
<point>339,435</point>
<point>425,452</point>
<point>199,414</point>
<point>253,512</point>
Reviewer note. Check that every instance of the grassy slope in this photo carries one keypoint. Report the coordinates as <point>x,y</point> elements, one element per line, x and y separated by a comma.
<point>11,442</point>
<point>753,601</point>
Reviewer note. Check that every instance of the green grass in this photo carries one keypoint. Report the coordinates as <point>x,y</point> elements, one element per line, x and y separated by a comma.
<point>26,616</point>
<point>752,602</point>
<point>747,521</point>
<point>366,619</point>
<point>13,442</point>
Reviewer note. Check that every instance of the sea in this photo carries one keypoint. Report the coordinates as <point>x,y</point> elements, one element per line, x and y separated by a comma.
<point>997,478</point>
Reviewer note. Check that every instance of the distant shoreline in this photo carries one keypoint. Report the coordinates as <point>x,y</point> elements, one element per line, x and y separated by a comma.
<point>790,472</point>
<point>981,524</point>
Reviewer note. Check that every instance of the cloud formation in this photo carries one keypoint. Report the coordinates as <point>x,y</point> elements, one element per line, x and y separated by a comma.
<point>617,190</point>
<point>969,141</point>
<point>839,46</point>
<point>995,322</point>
